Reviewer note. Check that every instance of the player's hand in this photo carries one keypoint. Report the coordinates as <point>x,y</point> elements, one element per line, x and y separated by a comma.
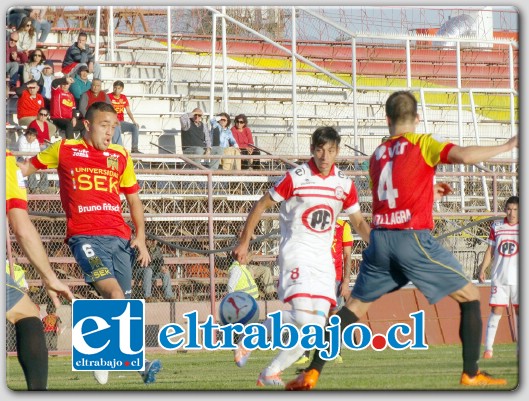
<point>24,166</point>
<point>142,256</point>
<point>441,189</point>
<point>345,291</point>
<point>481,277</point>
<point>56,288</point>
<point>240,253</point>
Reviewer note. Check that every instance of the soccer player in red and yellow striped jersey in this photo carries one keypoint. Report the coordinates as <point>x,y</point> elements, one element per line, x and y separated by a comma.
<point>92,174</point>
<point>401,248</point>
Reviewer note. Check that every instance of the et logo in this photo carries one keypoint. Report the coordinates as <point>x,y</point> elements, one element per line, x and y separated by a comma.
<point>319,218</point>
<point>108,334</point>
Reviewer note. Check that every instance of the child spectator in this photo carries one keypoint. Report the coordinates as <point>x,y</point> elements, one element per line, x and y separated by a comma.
<point>121,104</point>
<point>52,327</point>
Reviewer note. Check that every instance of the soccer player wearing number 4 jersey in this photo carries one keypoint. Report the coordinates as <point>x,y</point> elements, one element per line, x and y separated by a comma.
<point>401,248</point>
<point>503,250</point>
<point>312,196</point>
<point>92,174</point>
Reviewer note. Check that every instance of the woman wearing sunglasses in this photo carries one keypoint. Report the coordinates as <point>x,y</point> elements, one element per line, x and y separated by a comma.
<point>243,135</point>
<point>27,39</point>
<point>32,69</point>
<point>43,128</point>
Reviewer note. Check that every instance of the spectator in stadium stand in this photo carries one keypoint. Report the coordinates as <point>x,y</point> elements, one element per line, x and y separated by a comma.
<point>27,39</point>
<point>243,135</point>
<point>227,145</point>
<point>94,94</point>
<point>94,219</point>
<point>46,77</point>
<point>31,348</point>
<point>40,23</point>
<point>121,105</point>
<point>195,136</point>
<point>80,84</point>
<point>63,112</point>
<point>43,128</point>
<point>156,269</point>
<point>13,60</point>
<point>32,69</point>
<point>29,143</point>
<point>52,327</point>
<point>29,103</point>
<point>307,219</point>
<point>16,14</point>
<point>401,248</point>
<point>80,53</point>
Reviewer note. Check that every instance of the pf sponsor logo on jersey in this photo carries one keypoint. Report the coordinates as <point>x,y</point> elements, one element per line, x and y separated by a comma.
<point>108,334</point>
<point>508,247</point>
<point>319,218</point>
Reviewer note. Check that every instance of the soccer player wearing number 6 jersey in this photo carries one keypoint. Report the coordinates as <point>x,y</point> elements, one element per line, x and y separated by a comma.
<point>311,195</point>
<point>401,248</point>
<point>92,174</point>
<point>503,250</point>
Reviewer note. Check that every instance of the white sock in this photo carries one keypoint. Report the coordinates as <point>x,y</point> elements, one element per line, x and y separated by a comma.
<point>492,328</point>
<point>286,358</point>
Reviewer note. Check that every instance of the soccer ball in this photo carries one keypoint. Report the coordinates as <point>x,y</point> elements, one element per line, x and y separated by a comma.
<point>238,307</point>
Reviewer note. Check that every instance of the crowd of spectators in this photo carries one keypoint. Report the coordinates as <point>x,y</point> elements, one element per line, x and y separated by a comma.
<point>67,91</point>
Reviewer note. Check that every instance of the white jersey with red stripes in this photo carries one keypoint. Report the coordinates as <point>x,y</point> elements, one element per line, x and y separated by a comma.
<point>505,241</point>
<point>310,206</point>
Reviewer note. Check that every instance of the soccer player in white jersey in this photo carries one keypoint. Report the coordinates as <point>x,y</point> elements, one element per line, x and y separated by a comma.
<point>503,251</point>
<point>312,196</point>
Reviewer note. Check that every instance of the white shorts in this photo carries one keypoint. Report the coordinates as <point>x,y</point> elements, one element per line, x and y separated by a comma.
<point>304,281</point>
<point>500,295</point>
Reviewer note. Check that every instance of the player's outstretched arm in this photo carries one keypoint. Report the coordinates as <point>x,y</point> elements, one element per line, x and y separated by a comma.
<point>477,154</point>
<point>29,240</point>
<point>240,252</point>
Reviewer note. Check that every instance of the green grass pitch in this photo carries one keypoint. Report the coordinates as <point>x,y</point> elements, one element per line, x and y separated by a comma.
<point>438,368</point>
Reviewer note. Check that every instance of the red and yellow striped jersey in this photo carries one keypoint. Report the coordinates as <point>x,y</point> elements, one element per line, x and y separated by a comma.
<point>402,170</point>
<point>90,182</point>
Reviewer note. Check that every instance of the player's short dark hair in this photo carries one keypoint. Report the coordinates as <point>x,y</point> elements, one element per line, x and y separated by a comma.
<point>324,135</point>
<point>119,83</point>
<point>512,200</point>
<point>98,106</point>
<point>401,107</point>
